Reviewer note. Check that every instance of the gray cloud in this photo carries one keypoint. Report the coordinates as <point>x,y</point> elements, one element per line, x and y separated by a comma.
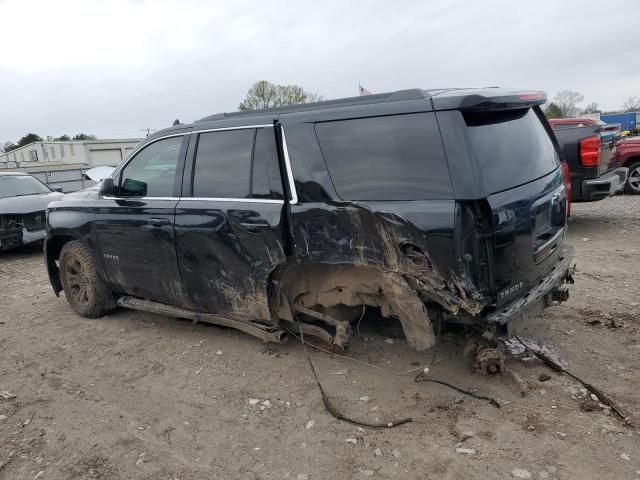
<point>113,68</point>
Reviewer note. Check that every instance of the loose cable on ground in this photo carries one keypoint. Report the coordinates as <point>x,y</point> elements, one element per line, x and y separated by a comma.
<point>549,362</point>
<point>329,406</point>
<point>421,378</point>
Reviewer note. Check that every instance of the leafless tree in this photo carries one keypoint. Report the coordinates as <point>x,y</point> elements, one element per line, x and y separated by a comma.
<point>632,104</point>
<point>567,101</point>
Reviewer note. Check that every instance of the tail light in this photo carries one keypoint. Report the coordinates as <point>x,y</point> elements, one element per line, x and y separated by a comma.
<point>590,151</point>
<point>566,173</point>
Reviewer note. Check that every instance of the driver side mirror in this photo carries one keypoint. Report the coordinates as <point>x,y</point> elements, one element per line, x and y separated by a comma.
<point>57,189</point>
<point>107,187</point>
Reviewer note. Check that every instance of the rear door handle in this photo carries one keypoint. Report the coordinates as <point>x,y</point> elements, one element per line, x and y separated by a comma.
<point>158,222</point>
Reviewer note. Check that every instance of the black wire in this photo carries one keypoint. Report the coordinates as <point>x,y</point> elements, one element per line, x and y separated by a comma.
<point>421,378</point>
<point>329,406</point>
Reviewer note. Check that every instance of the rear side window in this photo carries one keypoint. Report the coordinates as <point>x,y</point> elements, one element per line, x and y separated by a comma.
<point>266,181</point>
<point>398,157</point>
<point>512,147</point>
<point>237,164</point>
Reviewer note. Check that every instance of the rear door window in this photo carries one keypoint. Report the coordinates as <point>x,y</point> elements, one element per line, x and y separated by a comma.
<point>397,157</point>
<point>237,164</point>
<point>512,147</point>
<point>223,164</point>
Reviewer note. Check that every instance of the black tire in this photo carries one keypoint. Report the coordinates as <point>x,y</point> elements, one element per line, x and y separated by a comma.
<point>633,182</point>
<point>84,289</point>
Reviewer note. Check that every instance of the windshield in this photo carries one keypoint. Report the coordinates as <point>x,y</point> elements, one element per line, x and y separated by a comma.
<point>512,147</point>
<point>18,185</point>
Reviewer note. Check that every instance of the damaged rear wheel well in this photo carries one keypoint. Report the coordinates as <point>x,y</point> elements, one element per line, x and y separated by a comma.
<point>319,287</point>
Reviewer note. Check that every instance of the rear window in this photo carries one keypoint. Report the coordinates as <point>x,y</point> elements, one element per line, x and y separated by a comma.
<point>512,147</point>
<point>397,157</point>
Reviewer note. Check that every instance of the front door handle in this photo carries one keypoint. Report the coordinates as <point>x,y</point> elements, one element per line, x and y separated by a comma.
<point>159,222</point>
<point>255,227</point>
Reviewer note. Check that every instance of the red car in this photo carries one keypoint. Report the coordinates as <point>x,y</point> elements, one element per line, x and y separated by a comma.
<point>628,155</point>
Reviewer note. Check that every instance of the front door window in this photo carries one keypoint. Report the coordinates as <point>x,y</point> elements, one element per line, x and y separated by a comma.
<point>152,172</point>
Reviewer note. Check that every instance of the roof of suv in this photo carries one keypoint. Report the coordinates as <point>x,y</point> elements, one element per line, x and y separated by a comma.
<point>14,173</point>
<point>436,98</point>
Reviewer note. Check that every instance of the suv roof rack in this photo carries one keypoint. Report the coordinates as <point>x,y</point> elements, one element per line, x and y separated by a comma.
<point>486,98</point>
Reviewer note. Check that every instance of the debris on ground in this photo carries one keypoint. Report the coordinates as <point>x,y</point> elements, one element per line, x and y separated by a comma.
<point>466,451</point>
<point>544,377</point>
<point>310,424</point>
<point>520,473</point>
<point>6,395</point>
<point>467,436</point>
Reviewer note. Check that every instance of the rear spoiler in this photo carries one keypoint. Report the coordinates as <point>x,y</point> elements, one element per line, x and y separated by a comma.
<point>486,99</point>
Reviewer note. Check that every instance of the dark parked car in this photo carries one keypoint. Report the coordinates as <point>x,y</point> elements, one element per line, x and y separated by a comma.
<point>588,149</point>
<point>427,207</point>
<point>23,200</point>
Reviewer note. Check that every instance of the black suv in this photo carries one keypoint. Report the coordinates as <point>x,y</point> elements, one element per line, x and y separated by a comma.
<point>428,206</point>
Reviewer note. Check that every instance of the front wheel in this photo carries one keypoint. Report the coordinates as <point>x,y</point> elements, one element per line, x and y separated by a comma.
<point>633,181</point>
<point>84,289</point>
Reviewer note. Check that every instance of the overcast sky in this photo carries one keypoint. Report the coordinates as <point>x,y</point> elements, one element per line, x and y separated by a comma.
<point>112,68</point>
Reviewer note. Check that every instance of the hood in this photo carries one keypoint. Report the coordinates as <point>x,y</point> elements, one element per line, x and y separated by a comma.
<point>28,203</point>
<point>99,173</point>
<point>87,193</point>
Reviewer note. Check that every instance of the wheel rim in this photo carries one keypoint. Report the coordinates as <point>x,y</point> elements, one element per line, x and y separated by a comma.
<point>77,281</point>
<point>634,179</point>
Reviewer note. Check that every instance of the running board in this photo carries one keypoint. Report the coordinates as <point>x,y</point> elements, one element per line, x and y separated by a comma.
<point>268,334</point>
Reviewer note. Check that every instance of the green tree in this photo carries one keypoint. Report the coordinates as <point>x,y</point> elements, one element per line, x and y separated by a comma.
<point>552,111</point>
<point>84,136</point>
<point>29,138</point>
<point>264,94</point>
<point>567,101</point>
<point>62,138</point>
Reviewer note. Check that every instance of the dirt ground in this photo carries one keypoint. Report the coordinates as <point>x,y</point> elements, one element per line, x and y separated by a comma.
<point>140,396</point>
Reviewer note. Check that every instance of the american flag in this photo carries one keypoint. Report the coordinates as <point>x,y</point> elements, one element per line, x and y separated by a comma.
<point>364,91</point>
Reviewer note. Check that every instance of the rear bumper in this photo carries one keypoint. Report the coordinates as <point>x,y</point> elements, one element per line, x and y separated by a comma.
<point>539,297</point>
<point>604,186</point>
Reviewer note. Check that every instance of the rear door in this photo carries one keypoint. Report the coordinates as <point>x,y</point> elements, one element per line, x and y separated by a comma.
<point>518,167</point>
<point>229,224</point>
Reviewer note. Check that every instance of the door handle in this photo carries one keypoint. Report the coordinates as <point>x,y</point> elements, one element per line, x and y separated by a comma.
<point>254,227</point>
<point>158,222</point>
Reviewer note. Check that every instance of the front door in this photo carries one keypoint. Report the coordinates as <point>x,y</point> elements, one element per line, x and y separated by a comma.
<point>229,230</point>
<point>134,229</point>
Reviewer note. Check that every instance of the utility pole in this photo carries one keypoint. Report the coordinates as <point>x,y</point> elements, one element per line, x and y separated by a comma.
<point>148,130</point>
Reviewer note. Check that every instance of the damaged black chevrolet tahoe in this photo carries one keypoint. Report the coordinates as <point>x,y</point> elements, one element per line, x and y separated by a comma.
<point>431,207</point>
